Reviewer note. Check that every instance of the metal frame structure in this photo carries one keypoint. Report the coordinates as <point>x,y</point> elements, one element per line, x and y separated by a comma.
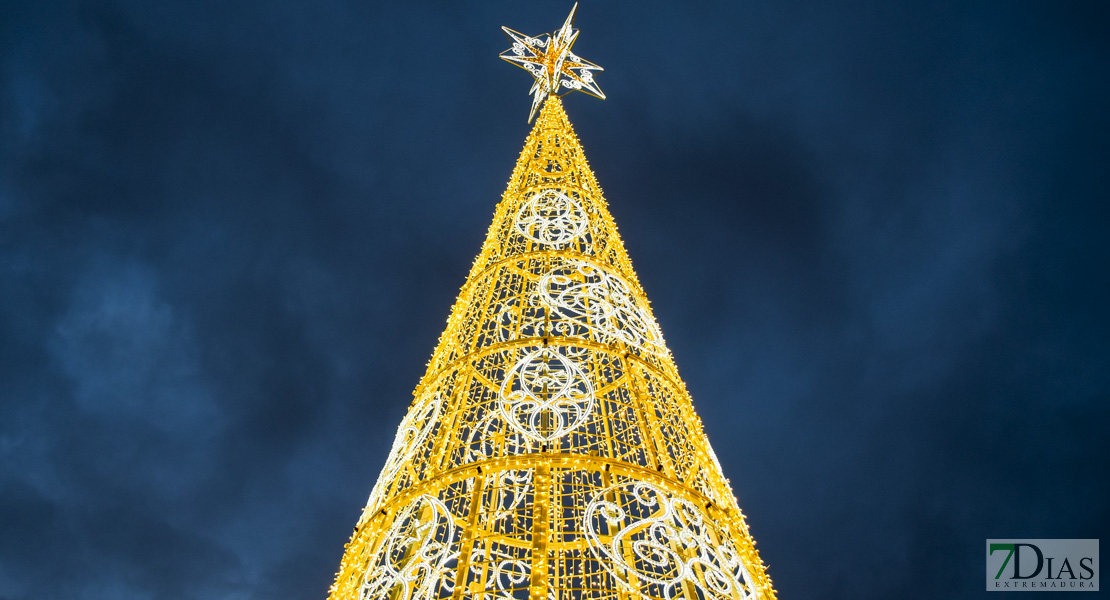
<point>551,451</point>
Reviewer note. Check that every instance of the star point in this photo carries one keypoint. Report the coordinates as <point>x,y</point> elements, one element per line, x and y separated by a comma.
<point>550,62</point>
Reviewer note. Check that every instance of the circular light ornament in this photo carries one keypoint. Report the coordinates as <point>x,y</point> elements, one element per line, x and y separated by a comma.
<point>545,395</point>
<point>551,218</point>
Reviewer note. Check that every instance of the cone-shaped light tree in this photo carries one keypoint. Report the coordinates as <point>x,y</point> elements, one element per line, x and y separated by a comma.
<point>551,451</point>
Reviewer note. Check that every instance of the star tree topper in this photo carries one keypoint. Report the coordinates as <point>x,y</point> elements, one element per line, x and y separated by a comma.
<point>549,59</point>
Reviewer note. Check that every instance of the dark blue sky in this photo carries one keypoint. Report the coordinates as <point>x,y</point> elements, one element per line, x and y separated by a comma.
<point>874,234</point>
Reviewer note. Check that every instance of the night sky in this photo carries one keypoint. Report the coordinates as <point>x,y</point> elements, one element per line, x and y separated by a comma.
<point>875,235</point>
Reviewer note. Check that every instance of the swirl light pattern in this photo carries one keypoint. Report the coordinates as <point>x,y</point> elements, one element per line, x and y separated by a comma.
<point>589,294</point>
<point>551,451</point>
<point>662,546</point>
<point>413,558</point>
<point>411,435</point>
<point>505,573</point>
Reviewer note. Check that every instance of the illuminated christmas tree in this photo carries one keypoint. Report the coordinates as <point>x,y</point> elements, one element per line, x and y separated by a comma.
<point>551,450</point>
